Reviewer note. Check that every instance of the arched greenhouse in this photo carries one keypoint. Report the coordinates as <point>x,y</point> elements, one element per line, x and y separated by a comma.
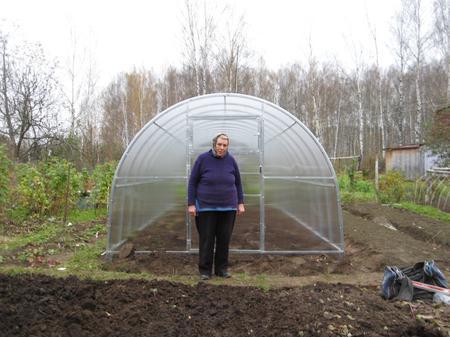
<point>290,188</point>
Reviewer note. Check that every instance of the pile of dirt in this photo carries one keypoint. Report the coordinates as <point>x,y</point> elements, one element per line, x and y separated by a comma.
<point>44,306</point>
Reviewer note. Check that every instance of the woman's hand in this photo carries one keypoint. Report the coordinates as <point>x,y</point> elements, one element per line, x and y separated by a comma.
<point>241,209</point>
<point>192,210</point>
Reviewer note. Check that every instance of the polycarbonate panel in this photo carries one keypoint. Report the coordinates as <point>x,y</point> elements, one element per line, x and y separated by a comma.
<point>307,210</point>
<point>246,233</point>
<point>141,202</point>
<point>290,188</point>
<point>295,153</point>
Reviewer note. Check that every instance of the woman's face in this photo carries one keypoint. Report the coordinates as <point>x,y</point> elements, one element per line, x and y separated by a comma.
<point>221,146</point>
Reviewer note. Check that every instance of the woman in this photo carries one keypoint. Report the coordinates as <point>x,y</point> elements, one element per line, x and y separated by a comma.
<point>214,197</point>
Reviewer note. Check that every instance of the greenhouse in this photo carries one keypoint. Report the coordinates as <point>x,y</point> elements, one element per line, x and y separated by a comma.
<point>290,187</point>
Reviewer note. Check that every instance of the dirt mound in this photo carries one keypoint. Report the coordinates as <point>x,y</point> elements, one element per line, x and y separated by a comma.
<point>44,306</point>
<point>417,226</point>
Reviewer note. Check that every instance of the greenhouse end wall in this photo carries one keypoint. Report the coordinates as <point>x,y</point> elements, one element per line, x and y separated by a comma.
<point>290,188</point>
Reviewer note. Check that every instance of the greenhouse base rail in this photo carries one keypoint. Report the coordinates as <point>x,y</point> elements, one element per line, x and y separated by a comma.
<point>241,251</point>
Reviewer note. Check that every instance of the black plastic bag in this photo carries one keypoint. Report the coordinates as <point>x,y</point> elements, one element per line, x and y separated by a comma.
<point>397,281</point>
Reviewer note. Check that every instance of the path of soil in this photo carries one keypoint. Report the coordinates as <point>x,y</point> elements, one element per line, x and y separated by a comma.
<point>375,236</point>
<point>44,306</point>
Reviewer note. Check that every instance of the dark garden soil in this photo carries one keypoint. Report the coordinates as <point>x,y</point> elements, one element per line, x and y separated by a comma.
<point>320,295</point>
<point>44,306</point>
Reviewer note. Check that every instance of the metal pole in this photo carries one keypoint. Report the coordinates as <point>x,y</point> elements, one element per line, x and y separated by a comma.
<point>262,224</point>
<point>189,151</point>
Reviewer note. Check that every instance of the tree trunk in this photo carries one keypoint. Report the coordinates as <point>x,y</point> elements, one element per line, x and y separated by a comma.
<point>360,119</point>
<point>336,134</point>
<point>7,111</point>
<point>448,53</point>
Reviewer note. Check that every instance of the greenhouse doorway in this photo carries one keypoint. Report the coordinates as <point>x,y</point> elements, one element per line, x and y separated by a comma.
<point>246,139</point>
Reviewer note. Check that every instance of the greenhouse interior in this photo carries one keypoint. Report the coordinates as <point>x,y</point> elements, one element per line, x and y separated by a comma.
<point>290,187</point>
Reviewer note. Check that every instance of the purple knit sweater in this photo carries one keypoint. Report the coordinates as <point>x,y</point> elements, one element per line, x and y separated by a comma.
<point>215,183</point>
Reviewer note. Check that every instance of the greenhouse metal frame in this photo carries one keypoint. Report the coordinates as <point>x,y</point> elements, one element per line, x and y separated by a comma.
<point>290,186</point>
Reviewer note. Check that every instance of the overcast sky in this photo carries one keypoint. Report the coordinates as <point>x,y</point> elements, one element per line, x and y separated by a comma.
<point>144,33</point>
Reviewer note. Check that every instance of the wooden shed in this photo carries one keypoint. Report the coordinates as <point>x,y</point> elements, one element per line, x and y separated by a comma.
<point>411,160</point>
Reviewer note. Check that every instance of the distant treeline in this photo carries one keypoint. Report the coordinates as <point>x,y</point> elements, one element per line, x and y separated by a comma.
<point>357,111</point>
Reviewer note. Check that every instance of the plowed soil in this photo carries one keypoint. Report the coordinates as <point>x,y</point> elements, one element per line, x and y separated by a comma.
<point>321,295</point>
<point>375,236</point>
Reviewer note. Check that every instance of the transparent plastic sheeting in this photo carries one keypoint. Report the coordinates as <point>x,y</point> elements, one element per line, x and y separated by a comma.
<point>290,187</point>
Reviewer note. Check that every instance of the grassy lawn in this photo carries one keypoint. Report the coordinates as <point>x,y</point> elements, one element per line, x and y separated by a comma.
<point>429,211</point>
<point>51,243</point>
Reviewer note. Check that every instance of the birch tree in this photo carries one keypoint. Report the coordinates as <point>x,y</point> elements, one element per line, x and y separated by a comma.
<point>418,44</point>
<point>198,35</point>
<point>90,119</point>
<point>373,34</point>
<point>313,95</point>
<point>441,35</point>
<point>169,89</point>
<point>232,52</point>
<point>356,78</point>
<point>402,59</point>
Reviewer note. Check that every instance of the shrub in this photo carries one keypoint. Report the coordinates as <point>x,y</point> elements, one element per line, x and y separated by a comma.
<point>31,189</point>
<point>62,184</point>
<point>344,182</point>
<point>4,178</point>
<point>351,173</point>
<point>364,186</point>
<point>392,187</point>
<point>359,190</point>
<point>45,188</point>
<point>347,197</point>
<point>102,177</point>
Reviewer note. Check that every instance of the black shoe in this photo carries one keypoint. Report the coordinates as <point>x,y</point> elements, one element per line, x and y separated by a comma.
<point>205,277</point>
<point>224,274</point>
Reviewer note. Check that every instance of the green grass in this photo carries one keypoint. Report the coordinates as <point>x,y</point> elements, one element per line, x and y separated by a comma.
<point>52,229</point>
<point>18,214</point>
<point>87,257</point>
<point>85,215</point>
<point>348,197</point>
<point>98,275</point>
<point>262,282</point>
<point>44,234</point>
<point>360,190</point>
<point>429,211</point>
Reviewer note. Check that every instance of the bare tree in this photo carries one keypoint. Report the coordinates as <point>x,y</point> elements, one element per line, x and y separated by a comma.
<point>266,85</point>
<point>75,84</point>
<point>89,119</point>
<point>373,33</point>
<point>169,89</point>
<point>232,52</point>
<point>356,80</point>
<point>198,36</point>
<point>418,45</point>
<point>313,95</point>
<point>291,89</point>
<point>442,36</point>
<point>402,58</point>
<point>127,103</point>
<point>28,97</point>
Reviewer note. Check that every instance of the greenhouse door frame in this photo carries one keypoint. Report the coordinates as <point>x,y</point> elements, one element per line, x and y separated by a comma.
<point>189,152</point>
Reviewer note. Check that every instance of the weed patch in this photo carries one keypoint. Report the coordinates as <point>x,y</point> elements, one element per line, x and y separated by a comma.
<point>429,211</point>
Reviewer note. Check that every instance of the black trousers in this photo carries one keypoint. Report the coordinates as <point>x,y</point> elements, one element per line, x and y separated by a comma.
<point>214,229</point>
